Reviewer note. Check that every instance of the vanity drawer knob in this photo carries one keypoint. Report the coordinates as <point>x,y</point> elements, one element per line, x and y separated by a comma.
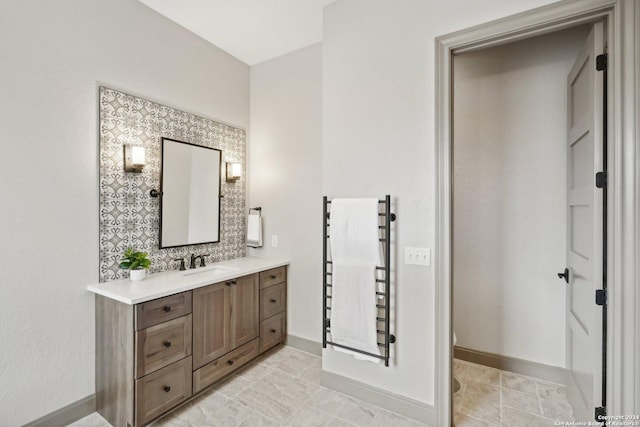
<point>167,389</point>
<point>273,276</point>
<point>273,300</point>
<point>273,331</point>
<point>233,282</point>
<point>166,308</point>
<point>167,344</point>
<point>230,362</point>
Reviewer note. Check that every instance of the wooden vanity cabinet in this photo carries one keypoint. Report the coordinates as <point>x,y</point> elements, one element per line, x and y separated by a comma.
<point>245,295</point>
<point>162,390</point>
<point>273,308</point>
<point>152,357</point>
<point>143,358</point>
<point>225,316</point>
<point>211,323</point>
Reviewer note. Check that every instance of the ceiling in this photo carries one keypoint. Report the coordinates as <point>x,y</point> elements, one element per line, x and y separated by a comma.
<point>250,30</point>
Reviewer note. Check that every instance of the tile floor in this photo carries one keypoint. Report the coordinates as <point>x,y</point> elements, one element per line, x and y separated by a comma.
<point>280,389</point>
<point>490,397</point>
<point>283,389</point>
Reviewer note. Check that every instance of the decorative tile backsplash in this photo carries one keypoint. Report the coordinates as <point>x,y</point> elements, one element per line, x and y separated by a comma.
<point>129,216</point>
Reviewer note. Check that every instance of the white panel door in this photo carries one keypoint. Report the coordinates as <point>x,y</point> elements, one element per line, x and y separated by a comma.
<point>584,228</point>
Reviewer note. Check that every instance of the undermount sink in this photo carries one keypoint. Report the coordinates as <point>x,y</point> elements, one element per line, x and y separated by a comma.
<point>214,269</point>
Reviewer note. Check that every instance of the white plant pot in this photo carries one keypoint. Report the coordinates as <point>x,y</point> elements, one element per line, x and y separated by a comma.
<point>137,275</point>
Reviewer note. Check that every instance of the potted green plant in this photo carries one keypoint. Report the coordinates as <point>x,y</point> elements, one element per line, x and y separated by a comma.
<point>136,262</point>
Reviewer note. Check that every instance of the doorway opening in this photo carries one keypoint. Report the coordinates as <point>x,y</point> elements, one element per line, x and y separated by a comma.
<point>526,342</point>
<point>621,18</point>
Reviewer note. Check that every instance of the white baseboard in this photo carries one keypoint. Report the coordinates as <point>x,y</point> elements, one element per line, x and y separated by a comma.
<point>410,408</point>
<point>399,404</point>
<point>550,373</point>
<point>68,414</point>
<point>304,344</point>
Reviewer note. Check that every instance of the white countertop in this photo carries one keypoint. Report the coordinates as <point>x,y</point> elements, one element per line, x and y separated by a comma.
<point>171,282</point>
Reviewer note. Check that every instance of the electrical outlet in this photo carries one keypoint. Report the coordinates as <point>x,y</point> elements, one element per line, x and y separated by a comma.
<point>417,256</point>
<point>274,241</point>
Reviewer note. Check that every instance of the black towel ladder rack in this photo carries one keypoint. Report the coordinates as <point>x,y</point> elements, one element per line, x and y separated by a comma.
<point>384,308</point>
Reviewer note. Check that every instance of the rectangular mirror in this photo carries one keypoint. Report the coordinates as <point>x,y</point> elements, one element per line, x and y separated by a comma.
<point>190,189</point>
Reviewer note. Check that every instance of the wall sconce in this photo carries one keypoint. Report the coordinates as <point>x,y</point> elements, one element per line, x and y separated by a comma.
<point>133,158</point>
<point>234,171</point>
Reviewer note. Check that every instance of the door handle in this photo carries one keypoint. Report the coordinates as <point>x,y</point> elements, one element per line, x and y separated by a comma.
<point>564,275</point>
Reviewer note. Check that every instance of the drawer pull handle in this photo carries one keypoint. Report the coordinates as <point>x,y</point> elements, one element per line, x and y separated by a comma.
<point>273,331</point>
<point>233,282</point>
<point>167,389</point>
<point>166,308</point>
<point>273,276</point>
<point>230,362</point>
<point>273,300</point>
<point>167,344</point>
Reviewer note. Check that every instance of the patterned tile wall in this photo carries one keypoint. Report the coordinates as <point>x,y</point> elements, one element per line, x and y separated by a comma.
<point>129,217</point>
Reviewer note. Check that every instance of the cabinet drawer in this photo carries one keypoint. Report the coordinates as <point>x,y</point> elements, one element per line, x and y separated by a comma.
<point>160,345</point>
<point>212,372</point>
<point>272,277</point>
<point>162,309</point>
<point>272,331</point>
<point>162,390</point>
<point>273,300</point>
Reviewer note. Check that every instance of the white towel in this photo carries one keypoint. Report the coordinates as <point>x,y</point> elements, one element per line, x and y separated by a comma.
<point>355,252</point>
<point>254,231</point>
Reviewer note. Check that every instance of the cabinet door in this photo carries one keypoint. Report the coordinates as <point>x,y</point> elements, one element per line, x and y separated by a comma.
<point>162,344</point>
<point>211,323</point>
<point>273,331</point>
<point>245,310</point>
<point>161,390</point>
<point>273,300</point>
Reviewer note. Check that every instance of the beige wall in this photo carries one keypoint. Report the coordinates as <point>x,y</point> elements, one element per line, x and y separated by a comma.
<point>54,57</point>
<point>509,187</point>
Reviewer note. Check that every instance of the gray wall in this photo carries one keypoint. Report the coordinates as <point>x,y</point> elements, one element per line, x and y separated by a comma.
<point>55,55</point>
<point>285,176</point>
<point>509,187</point>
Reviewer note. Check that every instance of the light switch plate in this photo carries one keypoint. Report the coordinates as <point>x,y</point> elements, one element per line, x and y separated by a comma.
<point>274,241</point>
<point>417,256</point>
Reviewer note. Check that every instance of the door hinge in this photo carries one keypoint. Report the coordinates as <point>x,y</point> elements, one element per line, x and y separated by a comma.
<point>600,414</point>
<point>601,62</point>
<point>601,296</point>
<point>601,180</point>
